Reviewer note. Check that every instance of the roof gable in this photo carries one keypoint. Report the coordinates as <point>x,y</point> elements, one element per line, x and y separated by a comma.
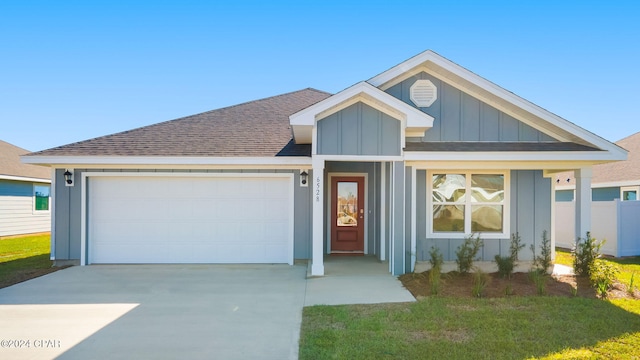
<point>490,93</point>
<point>414,121</point>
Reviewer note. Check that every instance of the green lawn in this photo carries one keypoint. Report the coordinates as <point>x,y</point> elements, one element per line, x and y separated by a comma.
<point>23,258</point>
<point>627,266</point>
<point>453,328</point>
<point>563,257</point>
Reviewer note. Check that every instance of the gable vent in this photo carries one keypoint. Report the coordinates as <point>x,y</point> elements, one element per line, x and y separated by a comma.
<point>423,93</point>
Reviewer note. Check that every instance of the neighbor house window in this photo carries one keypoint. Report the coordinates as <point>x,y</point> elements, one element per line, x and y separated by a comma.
<point>468,202</point>
<point>629,193</point>
<point>41,197</point>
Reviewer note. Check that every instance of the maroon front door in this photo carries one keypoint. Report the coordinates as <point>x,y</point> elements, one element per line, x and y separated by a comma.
<point>347,215</point>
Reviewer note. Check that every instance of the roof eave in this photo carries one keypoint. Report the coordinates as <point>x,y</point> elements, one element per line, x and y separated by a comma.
<point>77,161</point>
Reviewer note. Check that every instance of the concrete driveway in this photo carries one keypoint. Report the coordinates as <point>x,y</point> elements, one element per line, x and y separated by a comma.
<point>155,312</point>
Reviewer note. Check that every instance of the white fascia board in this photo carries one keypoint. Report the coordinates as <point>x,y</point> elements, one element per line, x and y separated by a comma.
<point>24,178</point>
<point>591,156</point>
<point>166,160</point>
<point>430,56</point>
<point>303,121</point>
<point>359,158</point>
<point>544,165</point>
<point>402,68</point>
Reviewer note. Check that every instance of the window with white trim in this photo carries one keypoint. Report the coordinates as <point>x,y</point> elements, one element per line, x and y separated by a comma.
<point>41,197</point>
<point>465,203</point>
<point>628,193</point>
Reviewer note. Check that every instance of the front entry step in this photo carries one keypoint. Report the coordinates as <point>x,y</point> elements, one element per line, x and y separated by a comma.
<point>347,253</point>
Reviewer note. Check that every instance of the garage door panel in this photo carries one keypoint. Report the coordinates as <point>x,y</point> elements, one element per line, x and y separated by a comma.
<point>190,220</point>
<point>277,210</point>
<point>252,230</point>
<point>180,209</point>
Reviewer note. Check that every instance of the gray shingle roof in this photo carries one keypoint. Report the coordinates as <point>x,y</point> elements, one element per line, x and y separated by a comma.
<point>496,146</point>
<point>10,163</point>
<point>258,128</point>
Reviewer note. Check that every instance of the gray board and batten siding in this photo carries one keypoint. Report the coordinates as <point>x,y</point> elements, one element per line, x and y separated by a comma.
<point>17,215</point>
<point>68,206</point>
<point>530,215</point>
<point>359,129</point>
<point>459,116</point>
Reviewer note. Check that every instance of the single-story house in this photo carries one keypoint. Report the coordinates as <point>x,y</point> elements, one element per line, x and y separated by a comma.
<point>25,194</point>
<point>615,211</point>
<point>421,155</point>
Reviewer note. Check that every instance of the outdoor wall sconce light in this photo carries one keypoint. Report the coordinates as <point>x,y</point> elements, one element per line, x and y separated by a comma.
<point>304,177</point>
<point>68,177</point>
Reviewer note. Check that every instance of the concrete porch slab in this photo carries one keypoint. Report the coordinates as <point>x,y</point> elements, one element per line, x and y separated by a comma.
<point>355,280</point>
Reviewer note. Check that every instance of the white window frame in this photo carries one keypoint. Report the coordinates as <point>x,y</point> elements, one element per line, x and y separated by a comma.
<point>33,205</point>
<point>506,208</point>
<point>629,188</point>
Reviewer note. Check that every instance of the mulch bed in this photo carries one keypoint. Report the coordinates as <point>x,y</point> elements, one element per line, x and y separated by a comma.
<point>454,284</point>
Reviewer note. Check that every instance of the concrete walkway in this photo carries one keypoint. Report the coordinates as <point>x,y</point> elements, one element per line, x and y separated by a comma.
<point>355,280</point>
<point>178,311</point>
<point>562,270</point>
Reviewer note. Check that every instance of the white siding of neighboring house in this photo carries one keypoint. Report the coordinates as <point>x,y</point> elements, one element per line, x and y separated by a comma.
<point>17,215</point>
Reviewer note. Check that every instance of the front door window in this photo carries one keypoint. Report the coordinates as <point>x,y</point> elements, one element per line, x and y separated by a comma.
<point>347,202</point>
<point>347,215</point>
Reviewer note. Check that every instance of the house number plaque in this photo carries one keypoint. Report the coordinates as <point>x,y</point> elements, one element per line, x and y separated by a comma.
<point>318,189</point>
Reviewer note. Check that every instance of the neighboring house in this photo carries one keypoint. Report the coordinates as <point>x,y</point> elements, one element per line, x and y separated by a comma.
<point>610,181</point>
<point>615,213</point>
<point>420,155</point>
<point>25,194</point>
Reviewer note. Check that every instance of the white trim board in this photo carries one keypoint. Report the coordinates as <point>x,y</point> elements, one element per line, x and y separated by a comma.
<point>59,161</point>
<point>23,178</point>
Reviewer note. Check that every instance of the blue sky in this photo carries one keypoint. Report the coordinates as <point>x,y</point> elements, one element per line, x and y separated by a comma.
<point>74,70</point>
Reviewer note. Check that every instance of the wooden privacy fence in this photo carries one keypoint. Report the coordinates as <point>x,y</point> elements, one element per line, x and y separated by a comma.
<point>618,222</point>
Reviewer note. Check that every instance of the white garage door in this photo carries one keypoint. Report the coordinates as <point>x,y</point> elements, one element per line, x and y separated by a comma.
<point>148,219</point>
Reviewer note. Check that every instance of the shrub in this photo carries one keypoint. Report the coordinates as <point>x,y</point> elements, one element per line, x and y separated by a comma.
<point>574,290</point>
<point>543,261</point>
<point>436,258</point>
<point>539,278</point>
<point>585,254</point>
<point>508,290</point>
<point>631,287</point>
<point>434,280</point>
<point>515,246</point>
<point>602,274</point>
<point>506,264</point>
<point>467,252</point>
<point>480,282</point>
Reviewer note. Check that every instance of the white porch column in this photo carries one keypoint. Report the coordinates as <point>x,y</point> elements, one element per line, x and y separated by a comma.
<point>317,249</point>
<point>583,201</point>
